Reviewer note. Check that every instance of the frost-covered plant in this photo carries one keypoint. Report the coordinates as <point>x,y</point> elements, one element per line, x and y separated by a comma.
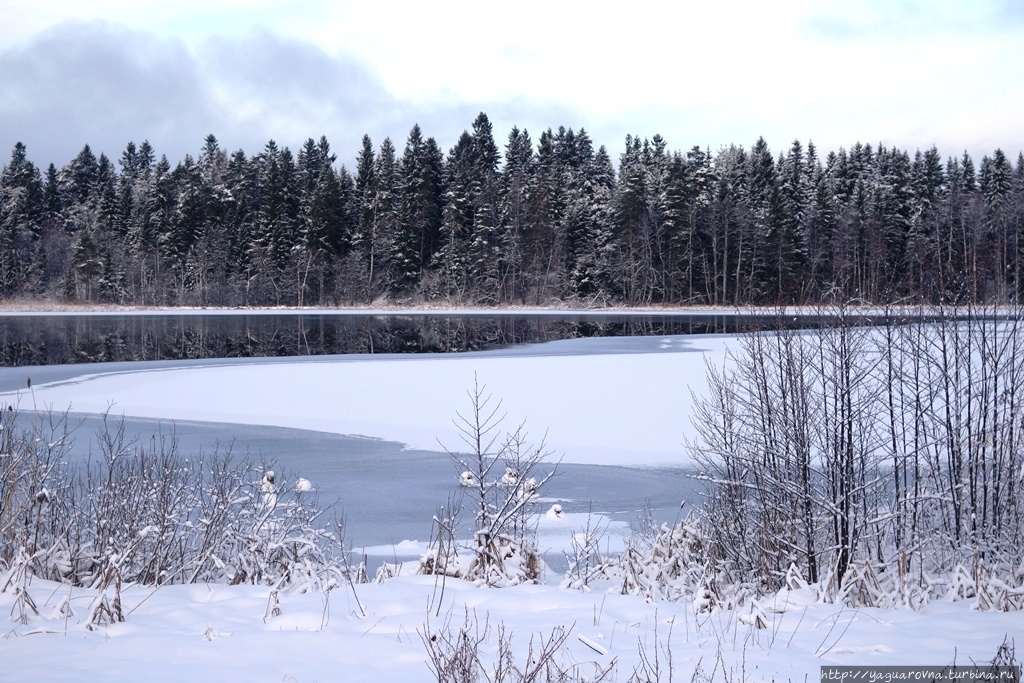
<point>502,550</point>
<point>670,563</point>
<point>585,562</point>
<point>106,605</point>
<point>274,537</point>
<point>30,478</point>
<point>167,517</point>
<point>18,578</point>
<point>476,652</point>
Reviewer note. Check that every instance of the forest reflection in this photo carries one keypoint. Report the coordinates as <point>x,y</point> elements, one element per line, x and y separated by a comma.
<point>65,339</point>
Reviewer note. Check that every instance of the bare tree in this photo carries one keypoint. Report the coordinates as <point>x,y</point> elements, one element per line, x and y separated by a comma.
<point>502,548</point>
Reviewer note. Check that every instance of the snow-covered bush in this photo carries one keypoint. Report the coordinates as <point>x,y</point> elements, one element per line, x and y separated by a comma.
<point>274,538</point>
<point>585,563</point>
<point>33,502</point>
<point>502,550</point>
<point>666,562</point>
<point>152,515</point>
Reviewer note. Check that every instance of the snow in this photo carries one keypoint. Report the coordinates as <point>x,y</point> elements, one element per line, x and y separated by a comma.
<point>626,407</point>
<point>184,633</point>
<point>554,512</point>
<point>625,402</point>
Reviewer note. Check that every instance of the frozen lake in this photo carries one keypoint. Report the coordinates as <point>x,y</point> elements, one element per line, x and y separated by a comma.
<point>365,428</point>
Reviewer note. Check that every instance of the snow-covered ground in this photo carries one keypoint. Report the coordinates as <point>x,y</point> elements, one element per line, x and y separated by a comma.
<point>222,633</point>
<point>622,402</point>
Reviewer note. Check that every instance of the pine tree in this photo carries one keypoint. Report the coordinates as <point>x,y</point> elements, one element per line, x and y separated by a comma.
<point>484,252</point>
<point>108,213</point>
<point>419,209</point>
<point>547,198</point>
<point>585,233</point>
<point>322,219</point>
<point>679,238</point>
<point>53,202</point>
<point>995,181</point>
<point>79,177</point>
<point>893,213</point>
<point>189,221</point>
<point>241,184</point>
<point>21,209</point>
<point>458,220</point>
<point>726,233</point>
<point>634,245</point>
<point>516,179</point>
<point>790,224</point>
<point>277,206</point>
<point>366,192</point>
<point>381,245</point>
<point>928,182</point>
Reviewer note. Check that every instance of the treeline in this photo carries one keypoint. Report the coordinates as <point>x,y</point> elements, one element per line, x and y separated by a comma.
<point>551,219</point>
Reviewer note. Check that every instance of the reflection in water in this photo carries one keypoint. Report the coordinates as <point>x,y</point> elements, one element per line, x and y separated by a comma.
<point>53,340</point>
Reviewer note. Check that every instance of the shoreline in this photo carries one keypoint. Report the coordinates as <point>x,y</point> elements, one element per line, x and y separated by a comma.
<point>22,307</point>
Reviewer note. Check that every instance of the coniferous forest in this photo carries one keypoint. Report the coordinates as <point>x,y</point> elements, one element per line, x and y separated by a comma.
<point>545,220</point>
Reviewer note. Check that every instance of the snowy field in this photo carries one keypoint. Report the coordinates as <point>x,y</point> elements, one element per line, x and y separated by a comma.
<point>223,633</point>
<point>602,402</point>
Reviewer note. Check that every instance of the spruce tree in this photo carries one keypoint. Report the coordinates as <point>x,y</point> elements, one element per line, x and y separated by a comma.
<point>420,206</point>
<point>21,210</point>
<point>516,179</point>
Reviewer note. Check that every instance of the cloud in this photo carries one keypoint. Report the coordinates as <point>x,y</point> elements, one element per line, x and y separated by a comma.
<point>837,78</point>
<point>93,83</point>
<point>1010,13</point>
<point>106,85</point>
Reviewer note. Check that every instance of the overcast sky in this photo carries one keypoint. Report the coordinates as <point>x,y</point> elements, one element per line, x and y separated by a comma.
<point>910,73</point>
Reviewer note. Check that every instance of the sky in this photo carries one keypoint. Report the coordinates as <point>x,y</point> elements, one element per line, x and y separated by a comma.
<point>906,73</point>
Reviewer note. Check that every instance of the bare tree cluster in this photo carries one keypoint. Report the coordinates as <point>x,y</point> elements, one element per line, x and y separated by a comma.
<point>860,455</point>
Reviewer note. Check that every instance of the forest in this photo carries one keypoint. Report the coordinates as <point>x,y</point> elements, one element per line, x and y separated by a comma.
<point>551,220</point>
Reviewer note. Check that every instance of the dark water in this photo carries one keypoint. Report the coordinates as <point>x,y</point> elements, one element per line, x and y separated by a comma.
<point>37,340</point>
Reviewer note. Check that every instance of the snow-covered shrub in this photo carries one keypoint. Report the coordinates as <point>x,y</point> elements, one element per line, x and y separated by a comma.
<point>32,483</point>
<point>502,550</point>
<point>585,563</point>
<point>275,541</point>
<point>106,605</point>
<point>18,578</point>
<point>668,563</point>
<point>165,517</point>
<point>996,586</point>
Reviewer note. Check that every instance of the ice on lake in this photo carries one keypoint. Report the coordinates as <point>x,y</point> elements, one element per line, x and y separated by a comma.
<point>367,432</point>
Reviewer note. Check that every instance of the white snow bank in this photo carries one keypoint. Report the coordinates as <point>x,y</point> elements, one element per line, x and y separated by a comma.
<point>627,407</point>
<point>215,632</point>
